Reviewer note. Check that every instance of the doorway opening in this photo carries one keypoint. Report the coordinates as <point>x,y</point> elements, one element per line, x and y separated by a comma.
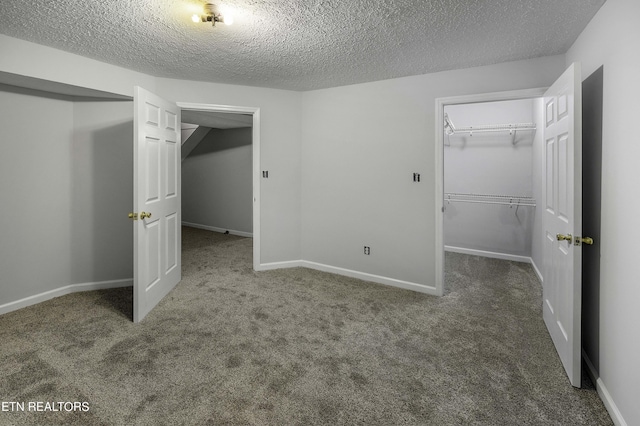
<point>157,187</point>
<point>463,187</point>
<point>492,180</point>
<point>220,183</point>
<point>558,183</point>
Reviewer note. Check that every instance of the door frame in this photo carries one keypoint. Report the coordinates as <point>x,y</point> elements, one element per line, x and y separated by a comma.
<point>439,160</point>
<point>255,142</point>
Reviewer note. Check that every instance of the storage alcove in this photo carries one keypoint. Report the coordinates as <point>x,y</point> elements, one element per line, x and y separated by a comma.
<point>492,179</point>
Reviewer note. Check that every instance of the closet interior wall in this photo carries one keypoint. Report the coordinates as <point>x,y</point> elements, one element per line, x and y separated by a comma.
<point>503,164</point>
<point>217,186</point>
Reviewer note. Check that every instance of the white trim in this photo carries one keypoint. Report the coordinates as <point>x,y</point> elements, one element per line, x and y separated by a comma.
<point>215,229</point>
<point>421,288</point>
<point>497,255</point>
<point>231,109</point>
<point>255,112</point>
<point>281,265</point>
<point>439,194</point>
<point>68,289</point>
<point>492,254</point>
<point>257,174</point>
<point>605,396</point>
<point>439,162</point>
<point>537,271</point>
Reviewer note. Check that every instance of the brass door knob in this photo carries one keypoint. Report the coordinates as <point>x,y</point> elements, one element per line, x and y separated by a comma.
<point>560,237</point>
<point>133,216</point>
<point>144,215</point>
<point>587,240</point>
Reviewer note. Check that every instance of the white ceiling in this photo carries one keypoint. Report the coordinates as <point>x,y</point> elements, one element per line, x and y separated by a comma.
<point>301,44</point>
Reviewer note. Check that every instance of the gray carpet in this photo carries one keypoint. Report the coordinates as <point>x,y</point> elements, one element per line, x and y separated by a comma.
<point>233,347</point>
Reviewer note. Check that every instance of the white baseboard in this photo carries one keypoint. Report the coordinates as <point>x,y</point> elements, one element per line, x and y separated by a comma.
<point>537,271</point>
<point>72,288</point>
<point>371,277</point>
<point>492,254</point>
<point>605,396</point>
<point>221,230</point>
<point>280,265</point>
<point>351,273</point>
<point>496,255</point>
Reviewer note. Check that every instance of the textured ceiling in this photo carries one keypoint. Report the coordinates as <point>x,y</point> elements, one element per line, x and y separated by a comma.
<point>301,44</point>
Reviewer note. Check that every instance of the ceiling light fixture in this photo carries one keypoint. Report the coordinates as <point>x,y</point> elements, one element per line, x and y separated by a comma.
<point>212,14</point>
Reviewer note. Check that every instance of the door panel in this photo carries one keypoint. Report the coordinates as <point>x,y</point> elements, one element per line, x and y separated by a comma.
<point>172,241</point>
<point>152,236</point>
<point>563,164</point>
<point>172,173</point>
<point>153,169</point>
<point>157,238</point>
<point>563,217</point>
<point>549,181</point>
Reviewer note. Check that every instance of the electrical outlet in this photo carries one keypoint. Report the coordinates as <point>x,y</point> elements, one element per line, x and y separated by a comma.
<point>367,250</point>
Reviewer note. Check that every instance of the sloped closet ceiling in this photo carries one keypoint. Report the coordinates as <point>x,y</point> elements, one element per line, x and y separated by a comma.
<point>301,45</point>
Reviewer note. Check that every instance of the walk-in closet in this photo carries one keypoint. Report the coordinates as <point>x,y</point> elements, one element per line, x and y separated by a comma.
<point>492,179</point>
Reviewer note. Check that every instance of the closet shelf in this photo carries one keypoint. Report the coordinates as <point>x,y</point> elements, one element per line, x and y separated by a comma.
<point>512,128</point>
<point>507,200</point>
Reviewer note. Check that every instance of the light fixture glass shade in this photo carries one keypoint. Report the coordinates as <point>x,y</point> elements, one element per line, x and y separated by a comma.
<point>195,18</point>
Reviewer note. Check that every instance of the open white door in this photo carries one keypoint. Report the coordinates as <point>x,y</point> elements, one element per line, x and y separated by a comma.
<point>157,218</point>
<point>562,287</point>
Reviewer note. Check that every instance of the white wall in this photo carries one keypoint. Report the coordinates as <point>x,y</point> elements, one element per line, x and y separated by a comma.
<point>217,182</point>
<point>186,130</point>
<point>30,60</point>
<point>102,182</point>
<point>489,163</point>
<point>36,177</point>
<point>361,145</point>
<point>64,207</point>
<point>279,150</point>
<point>611,40</point>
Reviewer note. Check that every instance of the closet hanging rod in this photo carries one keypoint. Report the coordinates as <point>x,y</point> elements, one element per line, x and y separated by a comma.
<point>496,128</point>
<point>502,203</point>
<point>509,200</point>
<point>450,129</point>
<point>461,194</point>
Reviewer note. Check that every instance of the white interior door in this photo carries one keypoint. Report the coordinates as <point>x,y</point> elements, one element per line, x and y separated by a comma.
<point>562,288</point>
<point>157,232</point>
